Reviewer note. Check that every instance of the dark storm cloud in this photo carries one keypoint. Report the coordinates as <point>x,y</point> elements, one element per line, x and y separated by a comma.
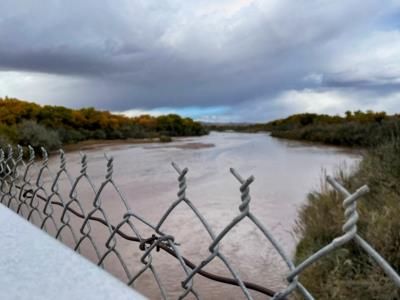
<point>147,54</point>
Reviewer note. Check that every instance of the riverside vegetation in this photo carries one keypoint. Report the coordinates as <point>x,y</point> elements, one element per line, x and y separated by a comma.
<point>356,129</point>
<point>349,273</point>
<point>360,129</point>
<point>27,123</point>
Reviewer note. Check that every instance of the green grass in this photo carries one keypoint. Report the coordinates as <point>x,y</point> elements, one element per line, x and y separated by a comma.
<point>349,273</point>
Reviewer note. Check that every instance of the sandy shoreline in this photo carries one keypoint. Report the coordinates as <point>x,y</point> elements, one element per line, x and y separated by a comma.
<point>92,144</point>
<point>95,144</point>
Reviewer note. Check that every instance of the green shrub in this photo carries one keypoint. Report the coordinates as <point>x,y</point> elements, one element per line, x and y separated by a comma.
<point>165,139</point>
<point>70,135</point>
<point>36,135</point>
<point>99,134</point>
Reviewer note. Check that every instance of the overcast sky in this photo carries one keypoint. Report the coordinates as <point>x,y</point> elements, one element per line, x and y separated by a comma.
<point>213,60</point>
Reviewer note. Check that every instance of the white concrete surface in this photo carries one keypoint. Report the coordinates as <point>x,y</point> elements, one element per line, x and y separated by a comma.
<point>33,265</point>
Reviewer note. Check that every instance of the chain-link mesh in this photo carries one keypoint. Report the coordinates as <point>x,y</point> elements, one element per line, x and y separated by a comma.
<point>50,199</point>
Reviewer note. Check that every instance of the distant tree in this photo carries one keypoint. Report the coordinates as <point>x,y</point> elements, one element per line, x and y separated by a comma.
<point>58,123</point>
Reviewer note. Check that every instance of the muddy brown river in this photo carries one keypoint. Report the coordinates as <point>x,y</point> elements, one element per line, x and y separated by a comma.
<point>284,171</point>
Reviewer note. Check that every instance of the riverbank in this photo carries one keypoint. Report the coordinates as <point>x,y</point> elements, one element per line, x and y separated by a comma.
<point>173,143</point>
<point>347,134</point>
<point>349,273</point>
<point>95,144</point>
<point>356,129</point>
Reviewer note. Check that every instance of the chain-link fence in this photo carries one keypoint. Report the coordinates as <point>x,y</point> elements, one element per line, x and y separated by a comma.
<point>50,199</point>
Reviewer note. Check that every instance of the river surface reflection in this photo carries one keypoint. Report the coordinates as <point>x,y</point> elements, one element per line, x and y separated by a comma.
<point>284,173</point>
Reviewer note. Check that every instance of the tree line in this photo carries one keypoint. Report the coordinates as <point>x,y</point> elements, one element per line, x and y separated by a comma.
<point>358,128</point>
<point>50,126</point>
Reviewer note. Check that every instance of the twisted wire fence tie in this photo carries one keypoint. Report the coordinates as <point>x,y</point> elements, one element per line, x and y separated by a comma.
<point>182,180</point>
<point>8,168</point>
<point>110,167</point>
<point>216,240</point>
<point>62,159</point>
<point>61,169</point>
<point>245,211</point>
<point>243,208</point>
<point>31,161</point>
<point>45,156</point>
<point>10,160</point>
<point>244,190</point>
<point>182,173</point>
<point>19,162</point>
<point>27,165</point>
<point>44,165</point>
<point>108,179</point>
<point>20,151</point>
<point>83,163</point>
<point>10,151</point>
<point>349,229</point>
<point>31,153</point>
<point>181,196</point>
<point>386,267</point>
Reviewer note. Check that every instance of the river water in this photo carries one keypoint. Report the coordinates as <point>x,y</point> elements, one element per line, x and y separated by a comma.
<point>284,171</point>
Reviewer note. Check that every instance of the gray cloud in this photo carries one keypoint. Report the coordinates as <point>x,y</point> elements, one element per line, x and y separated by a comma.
<point>122,54</point>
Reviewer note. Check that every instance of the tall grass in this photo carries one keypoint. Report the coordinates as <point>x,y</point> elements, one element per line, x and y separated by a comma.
<point>349,273</point>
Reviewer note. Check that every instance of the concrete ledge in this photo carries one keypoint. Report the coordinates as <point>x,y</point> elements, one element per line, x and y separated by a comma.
<point>33,265</point>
